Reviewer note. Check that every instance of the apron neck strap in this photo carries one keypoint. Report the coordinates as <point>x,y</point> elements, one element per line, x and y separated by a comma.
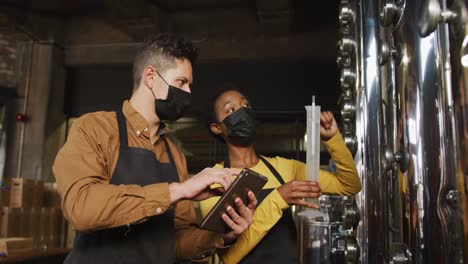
<point>227,164</point>
<point>273,170</point>
<point>122,122</point>
<point>168,150</point>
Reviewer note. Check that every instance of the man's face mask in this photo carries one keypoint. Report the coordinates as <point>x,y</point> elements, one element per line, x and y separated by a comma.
<point>241,126</point>
<point>174,106</point>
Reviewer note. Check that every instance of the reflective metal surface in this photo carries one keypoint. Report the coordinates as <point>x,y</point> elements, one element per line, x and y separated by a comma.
<point>342,218</point>
<point>314,237</point>
<point>460,95</point>
<point>425,85</point>
<point>409,127</point>
<point>372,199</point>
<point>392,12</point>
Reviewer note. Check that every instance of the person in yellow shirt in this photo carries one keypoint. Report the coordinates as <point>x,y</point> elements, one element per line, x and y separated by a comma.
<point>271,238</point>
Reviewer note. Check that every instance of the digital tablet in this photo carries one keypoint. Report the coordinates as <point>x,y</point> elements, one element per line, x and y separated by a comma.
<point>247,180</point>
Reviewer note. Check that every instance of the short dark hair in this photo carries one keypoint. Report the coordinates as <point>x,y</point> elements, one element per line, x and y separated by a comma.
<point>160,51</point>
<point>211,111</point>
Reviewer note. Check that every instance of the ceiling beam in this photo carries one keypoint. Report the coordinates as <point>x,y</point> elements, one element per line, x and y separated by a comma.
<point>311,45</point>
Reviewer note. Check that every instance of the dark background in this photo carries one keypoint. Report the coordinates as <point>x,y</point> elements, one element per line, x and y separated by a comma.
<point>273,86</point>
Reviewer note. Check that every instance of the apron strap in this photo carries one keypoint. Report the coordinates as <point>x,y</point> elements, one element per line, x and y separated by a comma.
<point>227,164</point>
<point>273,170</point>
<point>122,122</point>
<point>169,152</point>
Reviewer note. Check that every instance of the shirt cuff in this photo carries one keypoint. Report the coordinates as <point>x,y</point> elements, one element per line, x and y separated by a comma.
<point>157,198</point>
<point>278,200</point>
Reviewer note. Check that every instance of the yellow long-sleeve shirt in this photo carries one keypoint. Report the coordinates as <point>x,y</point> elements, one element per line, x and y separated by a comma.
<point>345,181</point>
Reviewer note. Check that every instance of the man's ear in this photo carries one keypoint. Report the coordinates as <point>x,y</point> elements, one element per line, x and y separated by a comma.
<point>148,75</point>
<point>215,129</point>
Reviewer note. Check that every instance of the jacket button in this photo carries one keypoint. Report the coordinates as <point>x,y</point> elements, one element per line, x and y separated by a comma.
<point>158,210</point>
<point>138,133</point>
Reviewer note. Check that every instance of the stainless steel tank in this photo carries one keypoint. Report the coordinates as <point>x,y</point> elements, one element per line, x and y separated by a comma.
<point>404,115</point>
<point>328,235</point>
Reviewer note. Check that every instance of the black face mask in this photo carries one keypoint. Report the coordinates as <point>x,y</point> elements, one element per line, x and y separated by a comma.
<point>174,106</point>
<point>241,126</point>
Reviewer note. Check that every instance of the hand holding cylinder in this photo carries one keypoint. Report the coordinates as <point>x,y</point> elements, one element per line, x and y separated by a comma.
<point>294,193</point>
<point>328,125</point>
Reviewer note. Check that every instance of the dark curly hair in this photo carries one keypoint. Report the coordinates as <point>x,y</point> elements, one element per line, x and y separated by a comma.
<point>160,52</point>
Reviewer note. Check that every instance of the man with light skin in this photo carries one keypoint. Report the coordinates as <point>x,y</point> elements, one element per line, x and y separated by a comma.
<point>124,184</point>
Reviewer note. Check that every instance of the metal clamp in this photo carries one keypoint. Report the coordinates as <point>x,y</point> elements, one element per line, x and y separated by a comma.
<point>350,141</point>
<point>343,61</point>
<point>432,14</point>
<point>392,12</point>
<point>346,15</point>
<point>452,198</point>
<point>347,78</point>
<point>403,160</point>
<point>351,216</point>
<point>388,158</point>
<point>400,254</point>
<point>348,109</point>
<point>386,52</point>
<point>345,249</point>
<point>346,46</point>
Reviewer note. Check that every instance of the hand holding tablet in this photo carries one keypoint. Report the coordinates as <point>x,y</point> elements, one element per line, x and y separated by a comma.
<point>247,180</point>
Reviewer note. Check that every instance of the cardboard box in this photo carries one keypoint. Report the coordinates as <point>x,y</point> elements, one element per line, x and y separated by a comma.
<point>62,229</point>
<point>15,222</point>
<point>26,193</point>
<point>5,192</point>
<point>44,228</point>
<point>35,225</point>
<point>54,227</point>
<point>5,212</point>
<point>51,195</point>
<point>47,227</point>
<point>15,244</point>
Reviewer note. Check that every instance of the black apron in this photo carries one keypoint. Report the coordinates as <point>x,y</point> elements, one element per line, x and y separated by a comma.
<point>280,243</point>
<point>149,242</point>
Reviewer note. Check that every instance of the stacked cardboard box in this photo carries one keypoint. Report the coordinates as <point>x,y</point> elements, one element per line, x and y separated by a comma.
<point>14,222</point>
<point>51,195</point>
<point>33,210</point>
<point>5,193</point>
<point>26,193</point>
<point>14,245</point>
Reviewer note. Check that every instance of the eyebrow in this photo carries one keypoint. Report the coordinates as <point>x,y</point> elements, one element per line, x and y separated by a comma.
<point>228,102</point>
<point>184,78</point>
